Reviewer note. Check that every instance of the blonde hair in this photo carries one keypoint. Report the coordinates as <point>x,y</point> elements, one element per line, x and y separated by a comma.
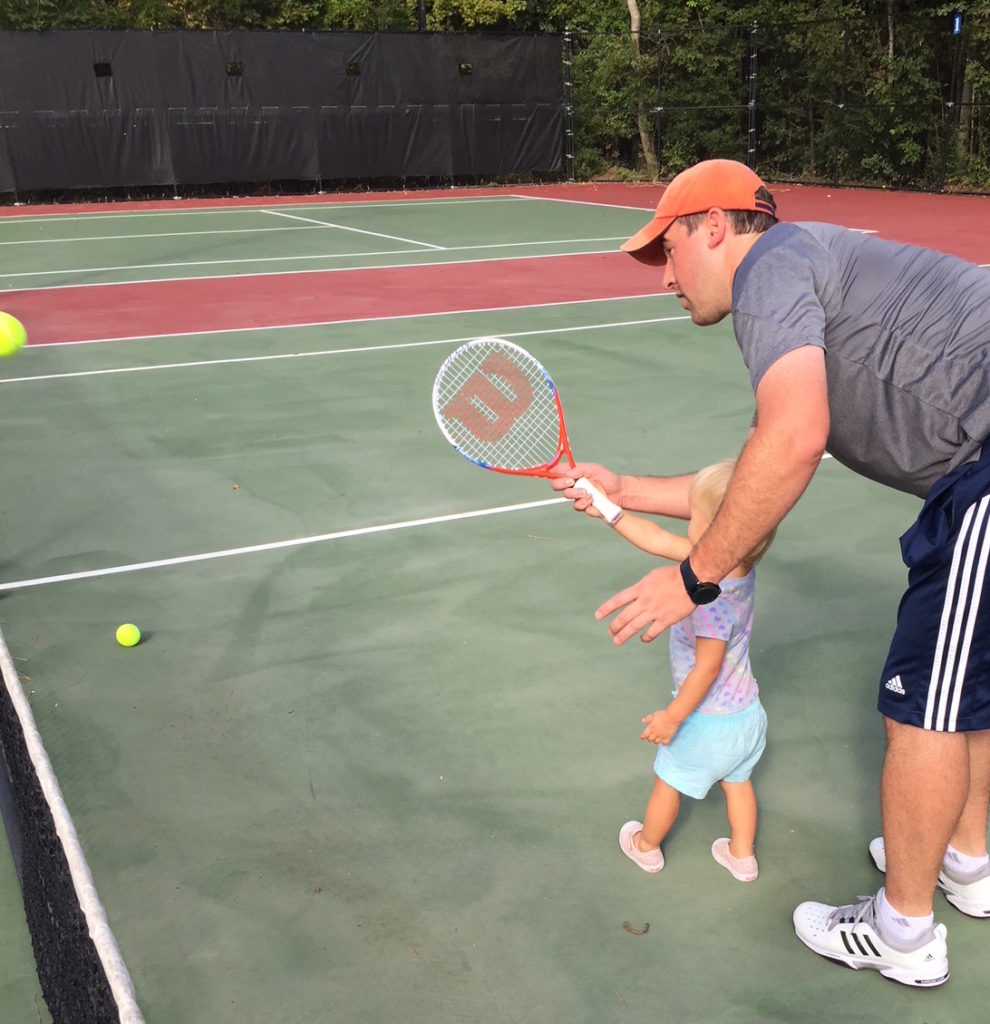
<point>706,493</point>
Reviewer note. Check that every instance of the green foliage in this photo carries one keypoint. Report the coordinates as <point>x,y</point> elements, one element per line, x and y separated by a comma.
<point>615,84</point>
<point>825,98</point>
<point>360,16</point>
<point>470,14</point>
<point>311,15</point>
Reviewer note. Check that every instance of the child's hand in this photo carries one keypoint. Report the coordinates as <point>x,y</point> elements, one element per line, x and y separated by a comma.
<point>660,728</point>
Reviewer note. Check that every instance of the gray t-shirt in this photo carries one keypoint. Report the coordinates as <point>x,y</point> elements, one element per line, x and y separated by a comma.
<point>906,334</point>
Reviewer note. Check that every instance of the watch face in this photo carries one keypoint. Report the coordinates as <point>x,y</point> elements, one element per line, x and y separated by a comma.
<point>705,593</point>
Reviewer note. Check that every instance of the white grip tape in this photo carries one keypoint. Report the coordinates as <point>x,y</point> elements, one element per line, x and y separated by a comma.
<point>609,510</point>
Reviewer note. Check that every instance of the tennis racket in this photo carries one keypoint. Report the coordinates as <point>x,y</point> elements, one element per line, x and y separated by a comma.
<point>498,407</point>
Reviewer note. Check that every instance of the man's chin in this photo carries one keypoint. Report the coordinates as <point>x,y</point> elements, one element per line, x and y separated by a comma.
<point>706,319</point>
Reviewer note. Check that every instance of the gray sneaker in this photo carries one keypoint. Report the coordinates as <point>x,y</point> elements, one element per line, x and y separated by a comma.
<point>968,893</point>
<point>851,936</point>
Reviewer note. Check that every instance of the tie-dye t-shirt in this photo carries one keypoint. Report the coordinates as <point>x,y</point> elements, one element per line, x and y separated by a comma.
<point>728,618</point>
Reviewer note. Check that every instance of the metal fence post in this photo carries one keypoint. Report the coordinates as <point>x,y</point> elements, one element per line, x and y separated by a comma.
<point>751,135</point>
<point>658,109</point>
<point>842,101</point>
<point>568,107</point>
<point>950,105</point>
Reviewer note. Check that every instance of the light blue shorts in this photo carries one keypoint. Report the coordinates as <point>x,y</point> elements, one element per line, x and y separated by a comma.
<point>713,748</point>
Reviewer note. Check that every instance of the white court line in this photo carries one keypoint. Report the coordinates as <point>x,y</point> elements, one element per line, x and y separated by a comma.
<point>164,234</point>
<point>345,323</point>
<point>589,202</point>
<point>307,225</point>
<point>279,545</point>
<point>291,259</point>
<point>55,218</point>
<point>333,351</point>
<point>296,542</point>
<point>357,231</point>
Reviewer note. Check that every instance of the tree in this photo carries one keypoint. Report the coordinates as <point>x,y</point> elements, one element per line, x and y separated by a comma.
<point>470,14</point>
<point>642,120</point>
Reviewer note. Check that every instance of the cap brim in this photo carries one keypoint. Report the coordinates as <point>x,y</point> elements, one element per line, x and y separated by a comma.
<point>647,244</point>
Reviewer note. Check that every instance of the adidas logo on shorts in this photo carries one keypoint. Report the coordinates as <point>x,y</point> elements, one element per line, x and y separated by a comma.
<point>895,686</point>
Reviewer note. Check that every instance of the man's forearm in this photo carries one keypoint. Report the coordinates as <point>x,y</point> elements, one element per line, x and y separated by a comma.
<point>657,495</point>
<point>773,471</point>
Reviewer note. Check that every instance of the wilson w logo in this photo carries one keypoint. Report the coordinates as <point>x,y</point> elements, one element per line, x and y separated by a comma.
<point>492,399</point>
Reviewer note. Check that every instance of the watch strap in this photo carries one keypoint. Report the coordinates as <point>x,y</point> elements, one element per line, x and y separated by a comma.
<point>701,592</point>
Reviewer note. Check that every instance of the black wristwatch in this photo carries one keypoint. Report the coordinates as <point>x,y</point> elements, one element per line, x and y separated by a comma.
<point>699,592</point>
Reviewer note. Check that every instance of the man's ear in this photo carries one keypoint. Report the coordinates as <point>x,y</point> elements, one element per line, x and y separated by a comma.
<point>716,224</point>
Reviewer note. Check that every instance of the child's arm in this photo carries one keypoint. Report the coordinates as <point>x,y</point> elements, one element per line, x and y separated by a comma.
<point>662,725</point>
<point>647,535</point>
<point>652,537</point>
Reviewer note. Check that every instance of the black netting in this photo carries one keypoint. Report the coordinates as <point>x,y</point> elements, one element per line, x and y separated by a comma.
<point>110,110</point>
<point>72,979</point>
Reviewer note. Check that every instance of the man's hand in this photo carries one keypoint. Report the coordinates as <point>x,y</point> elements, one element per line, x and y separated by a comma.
<point>652,605</point>
<point>660,728</point>
<point>563,478</point>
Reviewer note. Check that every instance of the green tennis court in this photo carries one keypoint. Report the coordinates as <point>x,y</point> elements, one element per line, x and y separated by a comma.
<point>373,751</point>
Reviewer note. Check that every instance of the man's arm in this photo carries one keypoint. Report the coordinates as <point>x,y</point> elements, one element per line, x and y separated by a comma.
<point>777,463</point>
<point>657,495</point>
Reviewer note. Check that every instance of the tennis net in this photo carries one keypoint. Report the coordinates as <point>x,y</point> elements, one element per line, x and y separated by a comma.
<point>82,976</point>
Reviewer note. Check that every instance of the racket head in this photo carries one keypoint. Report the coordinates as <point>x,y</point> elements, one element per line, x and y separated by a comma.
<point>498,406</point>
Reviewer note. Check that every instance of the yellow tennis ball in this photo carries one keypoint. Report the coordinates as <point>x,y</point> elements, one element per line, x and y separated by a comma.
<point>128,634</point>
<point>12,335</point>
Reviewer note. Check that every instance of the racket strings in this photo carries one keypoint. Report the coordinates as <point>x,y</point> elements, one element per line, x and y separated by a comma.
<point>498,406</point>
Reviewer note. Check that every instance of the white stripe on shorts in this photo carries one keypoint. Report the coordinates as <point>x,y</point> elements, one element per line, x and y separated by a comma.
<point>962,602</point>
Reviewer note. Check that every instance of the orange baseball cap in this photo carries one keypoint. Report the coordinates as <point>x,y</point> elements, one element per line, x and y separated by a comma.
<point>726,184</point>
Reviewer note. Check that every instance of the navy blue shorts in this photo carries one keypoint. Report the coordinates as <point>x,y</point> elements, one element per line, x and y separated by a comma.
<point>937,674</point>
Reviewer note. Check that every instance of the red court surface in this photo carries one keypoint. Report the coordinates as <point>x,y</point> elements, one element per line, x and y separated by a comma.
<point>231,303</point>
<point>952,223</point>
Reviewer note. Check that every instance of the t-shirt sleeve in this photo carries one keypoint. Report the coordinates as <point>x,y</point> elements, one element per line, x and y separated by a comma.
<point>776,309</point>
<point>712,621</point>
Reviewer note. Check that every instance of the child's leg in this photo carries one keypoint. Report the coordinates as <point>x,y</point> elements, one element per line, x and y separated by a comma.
<point>661,813</point>
<point>740,808</point>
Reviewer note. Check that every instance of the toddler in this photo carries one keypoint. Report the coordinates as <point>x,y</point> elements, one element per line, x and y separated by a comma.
<point>714,730</point>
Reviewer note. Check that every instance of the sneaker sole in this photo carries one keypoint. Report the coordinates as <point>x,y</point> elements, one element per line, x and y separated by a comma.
<point>898,974</point>
<point>902,975</point>
<point>968,907</point>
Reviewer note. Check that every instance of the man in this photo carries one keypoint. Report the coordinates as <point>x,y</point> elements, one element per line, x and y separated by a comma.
<point>878,353</point>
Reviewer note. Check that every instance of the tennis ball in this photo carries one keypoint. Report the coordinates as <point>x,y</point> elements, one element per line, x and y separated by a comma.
<point>128,635</point>
<point>12,335</point>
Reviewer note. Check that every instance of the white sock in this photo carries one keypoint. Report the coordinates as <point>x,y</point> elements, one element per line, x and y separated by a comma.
<point>898,926</point>
<point>963,863</point>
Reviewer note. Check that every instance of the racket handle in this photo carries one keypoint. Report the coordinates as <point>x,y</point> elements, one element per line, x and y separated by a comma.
<point>609,510</point>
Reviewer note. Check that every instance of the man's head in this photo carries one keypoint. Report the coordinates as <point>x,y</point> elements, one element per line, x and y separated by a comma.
<point>724,184</point>
<point>705,223</point>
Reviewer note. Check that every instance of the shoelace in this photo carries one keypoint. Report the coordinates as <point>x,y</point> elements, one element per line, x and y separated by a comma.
<point>853,913</point>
